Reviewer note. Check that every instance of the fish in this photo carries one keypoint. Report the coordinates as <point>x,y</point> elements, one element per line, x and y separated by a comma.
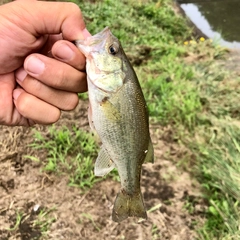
<point>118,114</point>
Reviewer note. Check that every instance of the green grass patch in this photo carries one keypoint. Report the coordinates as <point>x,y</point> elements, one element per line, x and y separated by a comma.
<point>219,173</point>
<point>171,97</point>
<point>134,22</point>
<point>70,152</point>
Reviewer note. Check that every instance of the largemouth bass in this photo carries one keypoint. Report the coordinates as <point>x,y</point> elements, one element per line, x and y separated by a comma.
<point>118,113</point>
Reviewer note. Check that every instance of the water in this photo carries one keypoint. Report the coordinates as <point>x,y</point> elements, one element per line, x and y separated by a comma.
<point>218,19</point>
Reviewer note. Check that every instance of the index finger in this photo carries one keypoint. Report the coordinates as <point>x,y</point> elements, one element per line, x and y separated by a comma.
<point>67,52</point>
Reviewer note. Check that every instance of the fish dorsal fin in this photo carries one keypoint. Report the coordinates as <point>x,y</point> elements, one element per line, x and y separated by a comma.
<point>103,164</point>
<point>150,153</point>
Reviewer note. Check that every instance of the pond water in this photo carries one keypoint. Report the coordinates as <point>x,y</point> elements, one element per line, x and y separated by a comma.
<point>218,19</point>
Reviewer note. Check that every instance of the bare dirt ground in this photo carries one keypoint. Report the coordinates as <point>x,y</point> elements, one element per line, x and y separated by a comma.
<point>23,187</point>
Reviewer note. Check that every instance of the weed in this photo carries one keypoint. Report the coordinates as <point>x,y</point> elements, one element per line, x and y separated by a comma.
<point>36,223</point>
<point>89,217</point>
<point>19,217</point>
<point>189,206</point>
<point>155,232</point>
<point>43,220</point>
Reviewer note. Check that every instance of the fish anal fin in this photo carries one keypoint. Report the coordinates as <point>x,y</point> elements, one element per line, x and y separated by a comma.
<point>103,164</point>
<point>128,206</point>
<point>149,153</point>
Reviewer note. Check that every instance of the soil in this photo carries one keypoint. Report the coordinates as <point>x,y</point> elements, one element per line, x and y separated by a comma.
<point>173,198</point>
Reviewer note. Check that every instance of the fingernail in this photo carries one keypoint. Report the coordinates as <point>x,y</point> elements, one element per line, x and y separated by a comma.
<point>86,33</point>
<point>64,52</point>
<point>20,74</point>
<point>34,65</point>
<point>16,93</point>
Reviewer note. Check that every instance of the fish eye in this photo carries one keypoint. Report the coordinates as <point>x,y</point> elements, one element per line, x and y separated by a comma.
<point>113,49</point>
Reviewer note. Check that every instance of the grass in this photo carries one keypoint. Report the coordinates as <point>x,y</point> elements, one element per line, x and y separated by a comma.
<point>69,152</point>
<point>219,173</point>
<point>18,220</point>
<point>187,88</point>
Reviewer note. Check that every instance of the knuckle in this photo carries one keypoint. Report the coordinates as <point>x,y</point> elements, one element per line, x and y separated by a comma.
<point>23,104</point>
<point>74,8</point>
<point>66,78</point>
<point>54,116</point>
<point>35,86</point>
<point>62,79</point>
<point>71,102</point>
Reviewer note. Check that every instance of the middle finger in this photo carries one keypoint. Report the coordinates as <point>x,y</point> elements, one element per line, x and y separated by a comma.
<point>55,73</point>
<point>61,99</point>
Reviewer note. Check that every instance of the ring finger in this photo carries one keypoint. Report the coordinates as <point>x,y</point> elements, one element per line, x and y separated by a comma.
<point>59,98</point>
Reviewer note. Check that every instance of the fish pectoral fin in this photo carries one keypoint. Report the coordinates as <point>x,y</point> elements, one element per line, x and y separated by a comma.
<point>128,206</point>
<point>103,164</point>
<point>150,153</point>
<point>111,111</point>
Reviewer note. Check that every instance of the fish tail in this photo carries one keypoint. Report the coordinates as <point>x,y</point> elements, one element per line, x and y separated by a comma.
<point>128,206</point>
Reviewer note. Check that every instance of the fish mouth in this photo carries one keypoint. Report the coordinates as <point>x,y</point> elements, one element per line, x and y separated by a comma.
<point>94,43</point>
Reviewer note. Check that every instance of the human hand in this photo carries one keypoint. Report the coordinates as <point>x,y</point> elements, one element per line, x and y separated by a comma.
<point>40,74</point>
